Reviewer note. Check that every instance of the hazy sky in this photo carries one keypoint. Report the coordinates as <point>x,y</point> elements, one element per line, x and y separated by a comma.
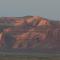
<point>45,8</point>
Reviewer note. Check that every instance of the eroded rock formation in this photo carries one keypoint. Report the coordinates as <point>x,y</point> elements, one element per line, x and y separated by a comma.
<point>29,32</point>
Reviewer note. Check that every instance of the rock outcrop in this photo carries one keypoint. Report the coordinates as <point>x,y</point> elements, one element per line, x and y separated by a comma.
<point>29,32</point>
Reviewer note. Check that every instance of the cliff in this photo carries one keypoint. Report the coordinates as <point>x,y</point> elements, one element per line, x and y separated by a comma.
<point>29,32</point>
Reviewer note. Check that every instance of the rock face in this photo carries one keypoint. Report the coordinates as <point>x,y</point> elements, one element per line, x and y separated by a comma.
<point>29,32</point>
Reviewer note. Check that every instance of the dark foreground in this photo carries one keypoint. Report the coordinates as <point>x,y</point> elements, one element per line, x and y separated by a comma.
<point>26,57</point>
<point>31,52</point>
<point>29,55</point>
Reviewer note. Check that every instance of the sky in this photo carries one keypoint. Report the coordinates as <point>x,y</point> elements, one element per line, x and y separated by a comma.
<point>45,8</point>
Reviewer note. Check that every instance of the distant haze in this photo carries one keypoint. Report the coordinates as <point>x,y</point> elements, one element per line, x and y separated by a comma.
<point>45,8</point>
